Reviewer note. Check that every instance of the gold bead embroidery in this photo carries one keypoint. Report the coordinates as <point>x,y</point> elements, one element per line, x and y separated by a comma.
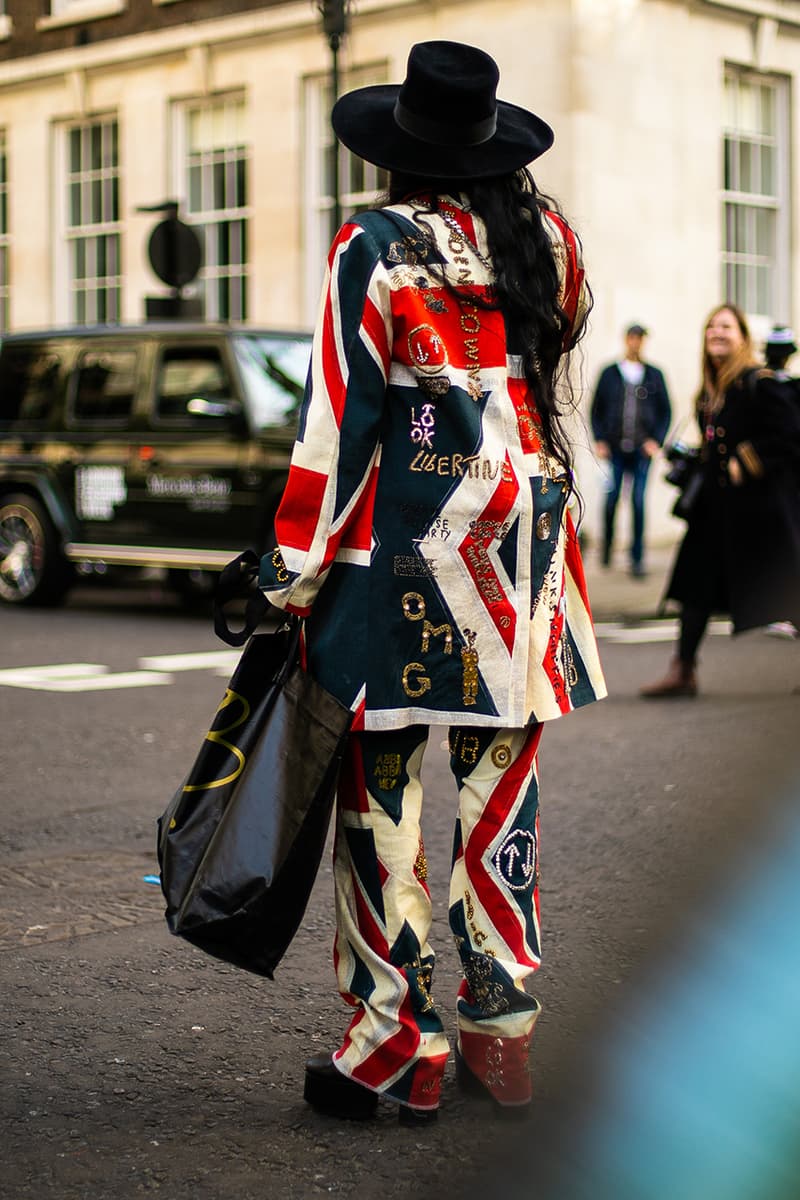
<point>469,659</point>
<point>281,574</point>
<point>423,683</point>
<point>421,863</point>
<point>429,631</point>
<point>417,613</point>
<point>387,771</point>
<point>470,749</point>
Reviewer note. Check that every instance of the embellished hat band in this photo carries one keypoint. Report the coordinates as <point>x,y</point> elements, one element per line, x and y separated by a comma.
<point>439,134</point>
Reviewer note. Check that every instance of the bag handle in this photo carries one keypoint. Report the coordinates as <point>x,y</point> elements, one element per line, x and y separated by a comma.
<point>237,580</point>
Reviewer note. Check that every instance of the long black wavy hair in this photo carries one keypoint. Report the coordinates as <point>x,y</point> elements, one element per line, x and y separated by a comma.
<point>526,283</point>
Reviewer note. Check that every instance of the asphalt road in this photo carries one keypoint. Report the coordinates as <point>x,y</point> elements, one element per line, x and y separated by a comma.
<point>130,1063</point>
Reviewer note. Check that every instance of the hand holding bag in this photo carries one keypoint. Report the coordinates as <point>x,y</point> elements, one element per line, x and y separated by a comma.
<point>241,842</point>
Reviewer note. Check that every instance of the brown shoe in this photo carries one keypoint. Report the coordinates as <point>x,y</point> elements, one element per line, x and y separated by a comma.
<point>680,680</point>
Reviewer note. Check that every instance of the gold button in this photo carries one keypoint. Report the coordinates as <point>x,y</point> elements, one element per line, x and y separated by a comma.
<point>721,448</point>
<point>720,431</point>
<point>501,755</point>
<point>544,527</point>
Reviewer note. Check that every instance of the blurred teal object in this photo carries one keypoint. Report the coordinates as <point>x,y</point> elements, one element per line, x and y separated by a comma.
<point>699,1096</point>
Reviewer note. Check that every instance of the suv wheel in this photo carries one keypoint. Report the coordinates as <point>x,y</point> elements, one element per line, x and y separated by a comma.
<point>32,568</point>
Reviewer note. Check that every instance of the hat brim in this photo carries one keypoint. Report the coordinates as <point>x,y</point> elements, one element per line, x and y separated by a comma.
<point>363,120</point>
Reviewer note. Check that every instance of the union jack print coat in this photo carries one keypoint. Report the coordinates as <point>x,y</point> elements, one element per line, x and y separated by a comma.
<point>423,532</point>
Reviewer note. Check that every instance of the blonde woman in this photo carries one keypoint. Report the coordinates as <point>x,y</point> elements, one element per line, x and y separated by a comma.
<point>741,552</point>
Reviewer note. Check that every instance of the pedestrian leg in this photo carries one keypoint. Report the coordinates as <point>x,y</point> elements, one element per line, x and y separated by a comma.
<point>494,907</point>
<point>395,1044</point>
<point>613,490</point>
<point>640,468</point>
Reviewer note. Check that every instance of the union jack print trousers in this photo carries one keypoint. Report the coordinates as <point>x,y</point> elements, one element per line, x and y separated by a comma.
<point>396,1044</point>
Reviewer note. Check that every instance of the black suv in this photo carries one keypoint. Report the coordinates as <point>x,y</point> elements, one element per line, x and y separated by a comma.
<point>149,446</point>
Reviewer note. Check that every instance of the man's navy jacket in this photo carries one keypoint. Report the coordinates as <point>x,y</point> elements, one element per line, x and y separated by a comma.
<point>654,413</point>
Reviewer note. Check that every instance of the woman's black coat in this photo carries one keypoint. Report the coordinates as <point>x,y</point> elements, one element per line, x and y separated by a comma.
<point>741,552</point>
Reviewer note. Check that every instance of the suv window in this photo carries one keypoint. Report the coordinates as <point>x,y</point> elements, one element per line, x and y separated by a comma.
<point>103,386</point>
<point>30,379</point>
<point>187,374</point>
<point>275,370</point>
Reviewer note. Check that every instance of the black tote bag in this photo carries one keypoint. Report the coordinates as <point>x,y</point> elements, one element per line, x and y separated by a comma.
<point>240,844</point>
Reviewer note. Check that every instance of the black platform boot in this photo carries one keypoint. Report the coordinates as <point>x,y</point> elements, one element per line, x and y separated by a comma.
<point>330,1092</point>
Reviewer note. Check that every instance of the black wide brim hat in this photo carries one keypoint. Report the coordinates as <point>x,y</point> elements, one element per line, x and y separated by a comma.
<point>444,121</point>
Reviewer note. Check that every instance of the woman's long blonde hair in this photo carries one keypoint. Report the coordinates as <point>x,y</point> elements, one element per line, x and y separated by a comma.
<point>715,381</point>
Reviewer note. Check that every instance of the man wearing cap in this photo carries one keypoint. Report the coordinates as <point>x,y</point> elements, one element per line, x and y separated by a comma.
<point>778,349</point>
<point>630,418</point>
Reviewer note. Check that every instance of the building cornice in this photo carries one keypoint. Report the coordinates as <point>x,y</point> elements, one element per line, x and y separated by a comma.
<point>782,11</point>
<point>283,21</point>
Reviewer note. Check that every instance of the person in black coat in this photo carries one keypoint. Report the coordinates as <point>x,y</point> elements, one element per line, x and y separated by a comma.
<point>630,417</point>
<point>741,551</point>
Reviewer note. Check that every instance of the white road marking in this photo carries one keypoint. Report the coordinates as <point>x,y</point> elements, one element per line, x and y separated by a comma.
<point>160,669</point>
<point>80,677</point>
<point>214,659</point>
<point>22,676</point>
<point>651,631</point>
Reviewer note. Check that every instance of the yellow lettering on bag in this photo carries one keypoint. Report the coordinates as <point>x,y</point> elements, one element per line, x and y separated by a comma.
<point>215,735</point>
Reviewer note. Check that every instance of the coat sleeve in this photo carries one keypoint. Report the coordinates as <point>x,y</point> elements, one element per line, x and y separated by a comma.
<point>599,412</point>
<point>775,441</point>
<point>663,408</point>
<point>326,508</point>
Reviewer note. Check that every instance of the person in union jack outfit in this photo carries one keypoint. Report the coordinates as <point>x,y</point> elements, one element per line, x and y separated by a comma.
<point>425,536</point>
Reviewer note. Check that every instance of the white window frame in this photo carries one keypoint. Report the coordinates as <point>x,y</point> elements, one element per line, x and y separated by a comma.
<point>318,203</point>
<point>66,286</point>
<point>210,219</point>
<point>747,206</point>
<point>5,241</point>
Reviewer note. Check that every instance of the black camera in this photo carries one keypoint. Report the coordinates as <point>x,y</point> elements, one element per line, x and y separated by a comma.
<point>683,459</point>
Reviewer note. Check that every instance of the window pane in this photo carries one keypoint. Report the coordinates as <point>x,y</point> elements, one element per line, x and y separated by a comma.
<point>223,243</point>
<point>194,187</point>
<point>765,233</point>
<point>96,213</point>
<point>74,204</point>
<point>746,173</point>
<point>749,113</point>
<point>729,172</point>
<point>219,185</point>
<point>187,375</point>
<point>30,381</point>
<point>106,381</point>
<point>80,258</point>
<point>241,183</point>
<point>75,151</point>
<point>768,110</point>
<point>96,142</point>
<point>768,175</point>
